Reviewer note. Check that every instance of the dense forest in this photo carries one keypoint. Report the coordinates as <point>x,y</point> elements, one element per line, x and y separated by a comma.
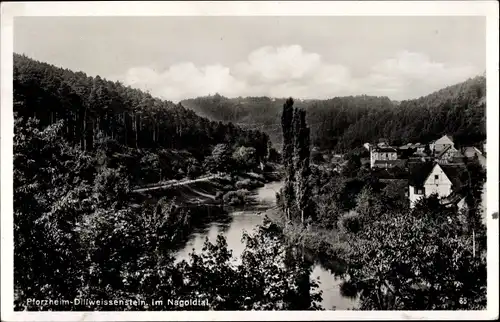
<point>132,127</point>
<point>343,123</point>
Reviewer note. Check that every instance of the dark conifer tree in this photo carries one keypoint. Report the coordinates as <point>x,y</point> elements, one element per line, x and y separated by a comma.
<point>302,169</point>
<point>288,148</point>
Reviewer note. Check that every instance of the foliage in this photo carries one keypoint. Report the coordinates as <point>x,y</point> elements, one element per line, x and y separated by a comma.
<point>369,205</point>
<point>248,184</point>
<point>416,261</point>
<point>152,138</point>
<point>288,190</point>
<point>245,157</point>
<point>220,160</point>
<point>302,166</point>
<point>262,280</point>
<point>345,123</point>
<point>351,222</point>
<point>51,194</point>
<point>236,198</point>
<point>296,192</point>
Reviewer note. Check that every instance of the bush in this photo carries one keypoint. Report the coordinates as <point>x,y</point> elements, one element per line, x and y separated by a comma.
<point>248,184</point>
<point>350,222</point>
<point>235,198</point>
<point>257,176</point>
<point>328,213</point>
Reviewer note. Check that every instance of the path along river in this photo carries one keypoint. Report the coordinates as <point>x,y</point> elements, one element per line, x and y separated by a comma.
<point>248,219</point>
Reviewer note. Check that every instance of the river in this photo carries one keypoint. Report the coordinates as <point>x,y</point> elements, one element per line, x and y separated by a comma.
<point>246,220</point>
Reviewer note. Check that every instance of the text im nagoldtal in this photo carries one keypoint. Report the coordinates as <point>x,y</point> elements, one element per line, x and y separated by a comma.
<point>189,302</point>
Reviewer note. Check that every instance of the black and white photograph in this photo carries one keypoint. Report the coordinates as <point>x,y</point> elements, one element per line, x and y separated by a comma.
<point>202,162</point>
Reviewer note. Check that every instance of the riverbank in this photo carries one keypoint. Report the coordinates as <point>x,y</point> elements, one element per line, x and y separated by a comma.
<point>198,202</point>
<point>325,246</point>
<point>208,190</point>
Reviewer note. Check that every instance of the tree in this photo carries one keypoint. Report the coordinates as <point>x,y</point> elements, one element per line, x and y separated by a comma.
<point>150,168</point>
<point>475,177</point>
<point>51,195</point>
<point>288,193</point>
<point>369,205</point>
<point>352,165</point>
<point>245,157</point>
<point>111,187</point>
<point>399,263</point>
<point>220,160</point>
<point>302,165</point>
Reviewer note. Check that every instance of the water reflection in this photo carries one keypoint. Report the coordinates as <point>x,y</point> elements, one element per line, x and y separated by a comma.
<point>247,218</point>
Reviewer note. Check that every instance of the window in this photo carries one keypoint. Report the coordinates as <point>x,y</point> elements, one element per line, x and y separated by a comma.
<point>419,191</point>
<point>436,177</point>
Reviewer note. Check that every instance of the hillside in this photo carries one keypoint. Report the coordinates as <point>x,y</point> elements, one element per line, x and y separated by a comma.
<point>343,123</point>
<point>132,128</point>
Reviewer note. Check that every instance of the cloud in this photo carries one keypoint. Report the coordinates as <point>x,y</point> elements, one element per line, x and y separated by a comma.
<point>292,71</point>
<point>410,75</point>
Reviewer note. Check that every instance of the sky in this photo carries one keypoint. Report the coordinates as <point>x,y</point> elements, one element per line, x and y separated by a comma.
<point>304,57</point>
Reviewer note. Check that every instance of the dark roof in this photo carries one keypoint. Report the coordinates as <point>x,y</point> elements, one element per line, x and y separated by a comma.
<point>456,173</point>
<point>418,172</point>
<point>389,173</point>
<point>384,149</point>
<point>398,162</point>
<point>453,199</point>
<point>457,153</point>
<point>472,149</point>
<point>440,154</point>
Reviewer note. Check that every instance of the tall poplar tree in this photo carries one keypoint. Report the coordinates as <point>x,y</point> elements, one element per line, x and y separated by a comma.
<point>302,154</point>
<point>288,137</point>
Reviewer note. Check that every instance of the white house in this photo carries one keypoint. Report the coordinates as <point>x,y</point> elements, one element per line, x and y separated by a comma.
<point>441,143</point>
<point>448,155</point>
<point>471,152</point>
<point>434,178</point>
<point>384,153</point>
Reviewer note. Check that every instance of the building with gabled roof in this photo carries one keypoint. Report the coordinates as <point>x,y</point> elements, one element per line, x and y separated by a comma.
<point>472,152</point>
<point>383,156</point>
<point>441,143</point>
<point>444,180</point>
<point>449,155</point>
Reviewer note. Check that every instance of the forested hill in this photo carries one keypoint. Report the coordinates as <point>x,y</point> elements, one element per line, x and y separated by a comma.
<point>93,108</point>
<point>343,123</point>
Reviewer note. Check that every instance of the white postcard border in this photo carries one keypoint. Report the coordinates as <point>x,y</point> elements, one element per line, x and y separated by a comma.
<point>488,9</point>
